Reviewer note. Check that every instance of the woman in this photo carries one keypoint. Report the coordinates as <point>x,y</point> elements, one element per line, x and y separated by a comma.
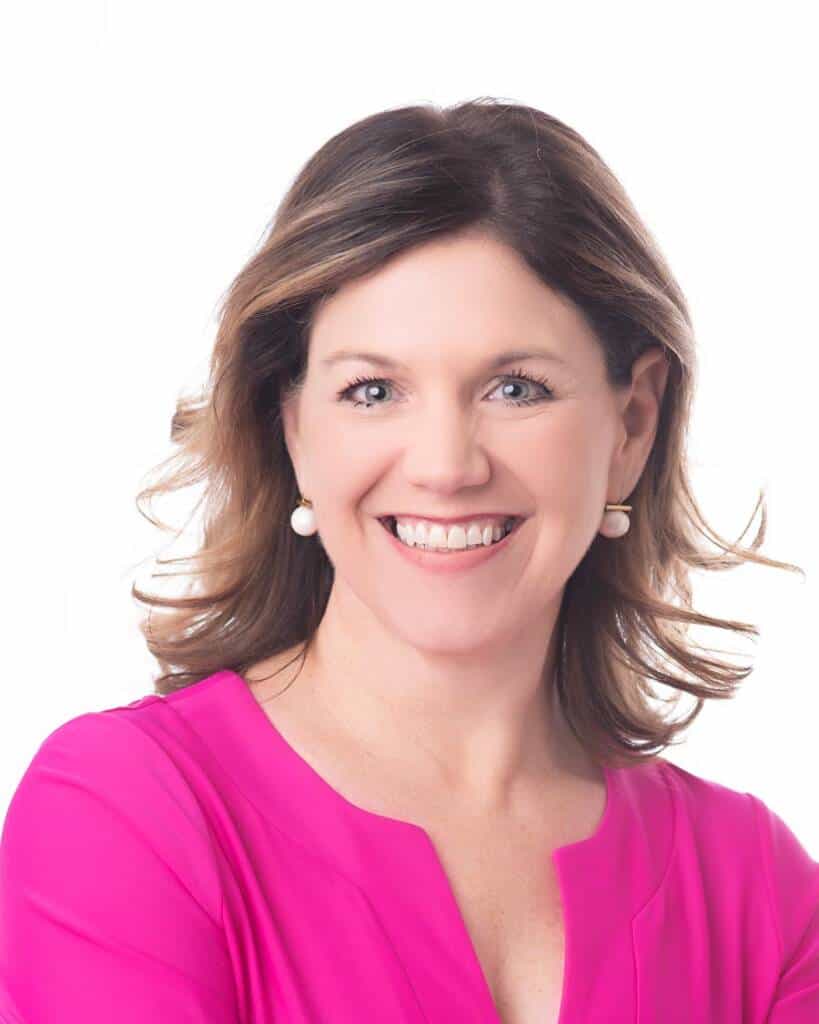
<point>460,369</point>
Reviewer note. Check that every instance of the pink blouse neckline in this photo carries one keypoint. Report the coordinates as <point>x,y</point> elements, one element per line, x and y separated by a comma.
<point>364,845</point>
<point>319,785</point>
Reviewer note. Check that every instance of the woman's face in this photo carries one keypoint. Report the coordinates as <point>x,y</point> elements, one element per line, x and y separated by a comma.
<point>443,430</point>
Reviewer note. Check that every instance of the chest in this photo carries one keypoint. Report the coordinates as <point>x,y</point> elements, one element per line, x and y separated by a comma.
<point>507,892</point>
<point>500,872</point>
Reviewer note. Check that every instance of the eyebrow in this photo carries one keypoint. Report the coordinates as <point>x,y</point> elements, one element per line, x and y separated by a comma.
<point>502,359</point>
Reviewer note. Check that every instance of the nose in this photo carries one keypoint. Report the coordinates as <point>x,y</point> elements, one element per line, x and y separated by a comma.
<point>445,452</point>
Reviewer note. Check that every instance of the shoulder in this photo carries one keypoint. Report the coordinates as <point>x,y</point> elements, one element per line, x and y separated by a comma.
<point>102,785</point>
<point>723,817</point>
<point>746,848</point>
<point>792,877</point>
<point>708,806</point>
<point>662,795</point>
<point>114,751</point>
<point>724,813</point>
<point>111,882</point>
<point>109,737</point>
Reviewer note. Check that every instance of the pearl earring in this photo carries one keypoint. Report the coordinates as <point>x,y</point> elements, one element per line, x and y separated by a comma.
<point>615,520</point>
<point>303,518</point>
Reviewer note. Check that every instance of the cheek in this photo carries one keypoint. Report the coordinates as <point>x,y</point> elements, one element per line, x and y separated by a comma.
<point>347,472</point>
<point>565,458</point>
<point>342,458</point>
<point>565,465</point>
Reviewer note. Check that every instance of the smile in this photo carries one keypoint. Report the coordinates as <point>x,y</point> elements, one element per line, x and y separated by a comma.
<point>446,559</point>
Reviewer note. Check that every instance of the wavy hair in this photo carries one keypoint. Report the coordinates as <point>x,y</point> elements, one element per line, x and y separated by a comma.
<point>386,183</point>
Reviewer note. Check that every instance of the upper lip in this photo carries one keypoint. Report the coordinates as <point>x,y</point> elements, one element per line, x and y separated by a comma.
<point>451,519</point>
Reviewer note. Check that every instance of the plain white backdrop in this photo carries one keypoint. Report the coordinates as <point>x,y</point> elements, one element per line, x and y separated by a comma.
<point>146,148</point>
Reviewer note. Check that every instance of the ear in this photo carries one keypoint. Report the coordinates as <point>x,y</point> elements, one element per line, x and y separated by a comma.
<point>640,412</point>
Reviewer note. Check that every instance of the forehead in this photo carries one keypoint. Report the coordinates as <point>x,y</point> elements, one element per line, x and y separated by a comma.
<point>465,297</point>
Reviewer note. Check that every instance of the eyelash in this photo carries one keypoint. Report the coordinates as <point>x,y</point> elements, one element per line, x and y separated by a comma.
<point>517,375</point>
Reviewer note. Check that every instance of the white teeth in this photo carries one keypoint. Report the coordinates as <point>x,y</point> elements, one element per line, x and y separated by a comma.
<point>438,537</point>
<point>454,538</point>
<point>474,535</point>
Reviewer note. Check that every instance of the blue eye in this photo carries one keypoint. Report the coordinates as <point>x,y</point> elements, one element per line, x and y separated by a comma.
<point>344,395</point>
<point>373,382</point>
<point>539,381</point>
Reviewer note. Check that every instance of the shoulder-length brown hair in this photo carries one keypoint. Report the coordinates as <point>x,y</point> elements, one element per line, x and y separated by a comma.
<point>389,182</point>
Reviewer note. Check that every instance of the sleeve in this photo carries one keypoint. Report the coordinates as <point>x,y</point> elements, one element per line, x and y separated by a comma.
<point>110,894</point>
<point>793,887</point>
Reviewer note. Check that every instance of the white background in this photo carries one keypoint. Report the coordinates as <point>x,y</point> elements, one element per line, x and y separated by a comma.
<point>146,147</point>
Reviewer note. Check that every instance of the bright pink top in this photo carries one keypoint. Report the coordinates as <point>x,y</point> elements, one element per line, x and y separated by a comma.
<point>176,860</point>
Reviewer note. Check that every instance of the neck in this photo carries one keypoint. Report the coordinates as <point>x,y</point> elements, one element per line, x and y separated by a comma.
<point>484,730</point>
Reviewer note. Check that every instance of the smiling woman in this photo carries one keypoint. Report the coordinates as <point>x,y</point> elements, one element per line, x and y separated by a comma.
<point>444,466</point>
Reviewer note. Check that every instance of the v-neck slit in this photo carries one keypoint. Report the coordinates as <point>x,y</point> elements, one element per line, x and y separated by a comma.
<point>567,861</point>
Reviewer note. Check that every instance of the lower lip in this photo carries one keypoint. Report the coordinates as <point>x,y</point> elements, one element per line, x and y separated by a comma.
<point>448,561</point>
